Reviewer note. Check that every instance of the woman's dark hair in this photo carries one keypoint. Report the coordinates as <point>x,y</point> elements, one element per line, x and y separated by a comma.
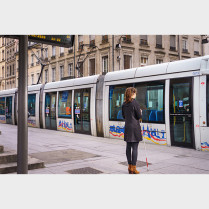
<point>130,91</point>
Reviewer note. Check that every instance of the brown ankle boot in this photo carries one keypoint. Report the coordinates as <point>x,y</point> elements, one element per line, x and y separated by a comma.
<point>130,170</point>
<point>134,170</point>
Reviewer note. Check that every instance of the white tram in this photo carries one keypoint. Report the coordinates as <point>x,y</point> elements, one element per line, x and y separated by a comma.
<point>174,98</point>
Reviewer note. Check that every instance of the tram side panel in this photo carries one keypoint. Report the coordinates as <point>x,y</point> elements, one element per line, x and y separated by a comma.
<point>114,122</point>
<point>204,112</point>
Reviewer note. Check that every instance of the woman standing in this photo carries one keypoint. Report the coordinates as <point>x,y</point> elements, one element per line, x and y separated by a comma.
<point>132,135</point>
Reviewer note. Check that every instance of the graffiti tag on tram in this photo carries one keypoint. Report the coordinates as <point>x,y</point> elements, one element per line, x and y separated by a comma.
<point>2,119</point>
<point>65,126</point>
<point>152,135</point>
<point>117,131</point>
<point>205,146</point>
<point>32,123</point>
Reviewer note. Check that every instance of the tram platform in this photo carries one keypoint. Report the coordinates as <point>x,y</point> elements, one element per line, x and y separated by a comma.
<point>71,153</point>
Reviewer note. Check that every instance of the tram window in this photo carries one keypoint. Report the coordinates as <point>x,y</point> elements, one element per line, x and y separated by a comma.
<point>32,104</point>
<point>65,104</point>
<point>2,106</point>
<point>117,95</point>
<point>150,97</point>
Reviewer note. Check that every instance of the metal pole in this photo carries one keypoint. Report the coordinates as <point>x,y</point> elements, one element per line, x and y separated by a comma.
<point>22,140</point>
<point>202,46</point>
<point>179,46</point>
<point>113,45</point>
<point>74,57</point>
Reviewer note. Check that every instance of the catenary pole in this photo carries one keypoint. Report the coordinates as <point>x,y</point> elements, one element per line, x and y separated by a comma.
<point>22,140</point>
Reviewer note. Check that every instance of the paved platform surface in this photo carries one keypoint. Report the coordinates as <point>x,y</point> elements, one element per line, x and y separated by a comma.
<point>70,153</point>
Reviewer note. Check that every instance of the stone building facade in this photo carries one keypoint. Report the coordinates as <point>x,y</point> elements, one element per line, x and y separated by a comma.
<point>99,54</point>
<point>2,63</point>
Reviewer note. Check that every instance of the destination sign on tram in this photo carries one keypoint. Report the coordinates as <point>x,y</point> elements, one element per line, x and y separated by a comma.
<point>57,40</point>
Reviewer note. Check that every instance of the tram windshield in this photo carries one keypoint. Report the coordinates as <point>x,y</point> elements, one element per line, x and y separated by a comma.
<point>32,104</point>
<point>2,106</point>
<point>150,97</point>
<point>65,104</point>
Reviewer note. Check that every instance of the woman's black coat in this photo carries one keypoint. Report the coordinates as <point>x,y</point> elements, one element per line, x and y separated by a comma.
<point>131,112</point>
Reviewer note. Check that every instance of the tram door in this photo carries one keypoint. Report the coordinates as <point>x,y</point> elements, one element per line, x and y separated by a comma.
<point>181,118</point>
<point>50,111</point>
<point>82,111</point>
<point>8,110</point>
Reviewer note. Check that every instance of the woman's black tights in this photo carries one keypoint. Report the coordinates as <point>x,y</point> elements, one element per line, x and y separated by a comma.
<point>132,156</point>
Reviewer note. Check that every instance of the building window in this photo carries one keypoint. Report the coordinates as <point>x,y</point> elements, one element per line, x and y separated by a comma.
<point>61,72</point>
<point>53,51</point>
<point>151,101</point>
<point>80,42</point>
<point>32,60</point>
<point>46,53</point>
<point>80,69</point>
<point>196,47</point>
<point>127,62</point>
<point>184,45</point>
<point>38,77</point>
<point>61,51</point>
<point>46,76</point>
<point>159,61</point>
<point>32,79</point>
<point>70,69</point>
<point>144,61</point>
<point>10,70</point>
<point>159,41</point>
<point>173,43</point>
<point>70,49</point>
<point>104,39</point>
<point>91,66</point>
<point>105,64</point>
<point>13,69</point>
<point>127,38</point>
<point>143,40</point>
<point>92,40</point>
<point>65,104</point>
<point>53,74</point>
<point>3,72</point>
<point>3,55</point>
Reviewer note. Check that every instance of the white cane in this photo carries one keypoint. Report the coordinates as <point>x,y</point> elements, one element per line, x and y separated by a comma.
<point>146,154</point>
<point>145,146</point>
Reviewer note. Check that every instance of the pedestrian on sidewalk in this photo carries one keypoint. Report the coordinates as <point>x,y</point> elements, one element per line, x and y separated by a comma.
<point>132,135</point>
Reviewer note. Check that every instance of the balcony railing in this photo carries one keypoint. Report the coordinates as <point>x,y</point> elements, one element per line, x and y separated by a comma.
<point>62,54</point>
<point>92,43</point>
<point>127,39</point>
<point>185,50</point>
<point>172,48</point>
<point>105,39</point>
<point>70,50</point>
<point>53,57</point>
<point>196,53</point>
<point>143,42</point>
<point>80,45</point>
<point>159,46</point>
